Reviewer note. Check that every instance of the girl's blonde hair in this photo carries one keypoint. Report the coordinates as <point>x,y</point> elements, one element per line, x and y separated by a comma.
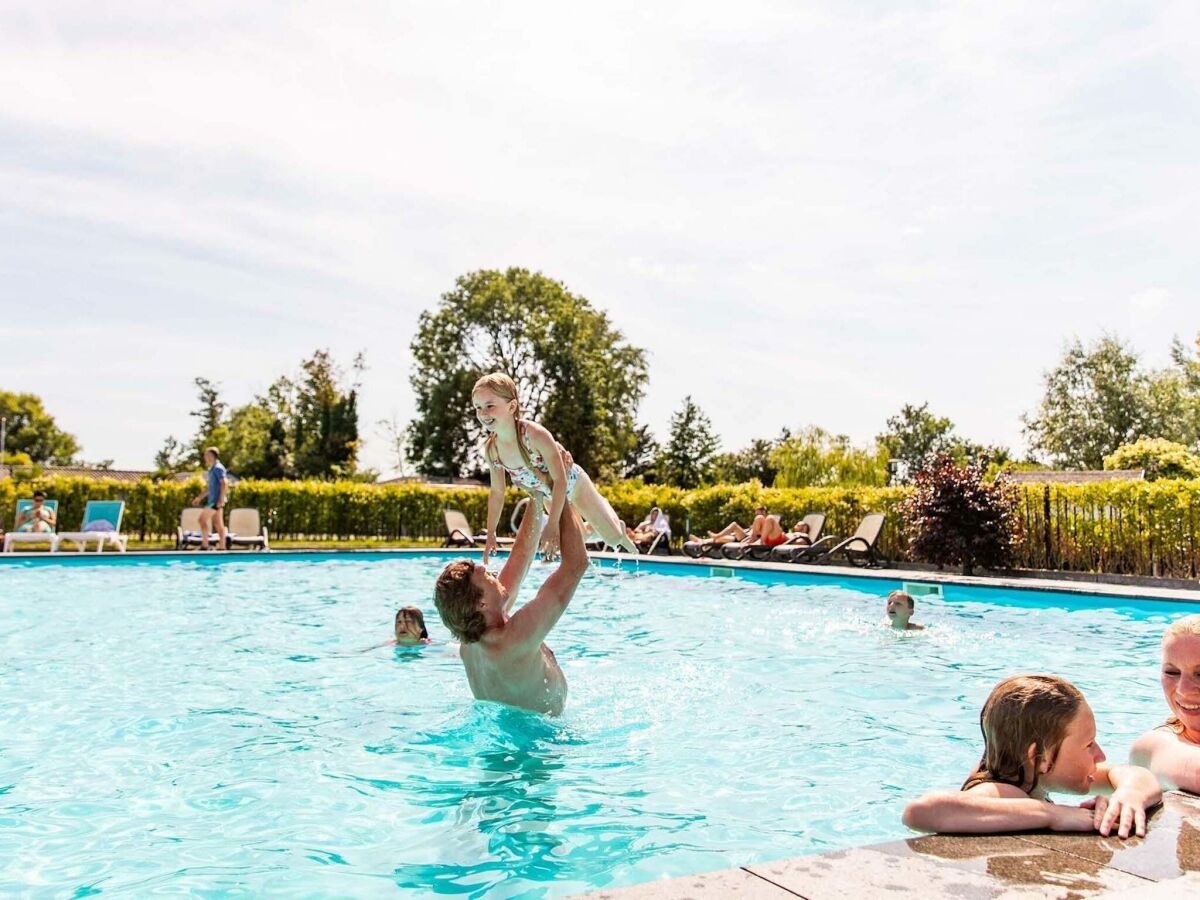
<point>506,389</point>
<point>1188,626</point>
<point>1024,710</point>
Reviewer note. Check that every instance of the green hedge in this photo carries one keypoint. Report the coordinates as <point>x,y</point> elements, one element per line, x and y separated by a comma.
<point>1146,528</point>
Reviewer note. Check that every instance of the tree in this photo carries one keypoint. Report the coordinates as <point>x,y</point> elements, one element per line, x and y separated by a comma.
<point>912,435</point>
<point>1158,457</point>
<point>815,457</point>
<point>31,430</point>
<point>687,460</point>
<point>750,463</point>
<point>396,438</point>
<point>642,457</point>
<point>1094,401</point>
<point>576,374</point>
<point>325,424</point>
<point>305,427</point>
<point>953,516</point>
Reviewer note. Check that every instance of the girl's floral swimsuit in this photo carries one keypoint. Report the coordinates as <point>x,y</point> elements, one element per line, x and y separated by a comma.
<point>529,480</point>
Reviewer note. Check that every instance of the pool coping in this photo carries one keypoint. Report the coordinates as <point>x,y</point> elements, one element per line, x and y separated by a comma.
<point>1165,863</point>
<point>1005,582</point>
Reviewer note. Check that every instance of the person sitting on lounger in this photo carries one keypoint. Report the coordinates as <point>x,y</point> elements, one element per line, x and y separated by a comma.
<point>649,528</point>
<point>39,518</point>
<point>900,607</point>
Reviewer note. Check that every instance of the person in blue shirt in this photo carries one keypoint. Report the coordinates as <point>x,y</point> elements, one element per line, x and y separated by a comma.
<point>212,517</point>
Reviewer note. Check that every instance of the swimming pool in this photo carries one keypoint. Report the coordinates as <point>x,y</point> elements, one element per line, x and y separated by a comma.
<point>210,725</point>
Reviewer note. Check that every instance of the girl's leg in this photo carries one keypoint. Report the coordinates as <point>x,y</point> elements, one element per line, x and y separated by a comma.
<point>593,507</point>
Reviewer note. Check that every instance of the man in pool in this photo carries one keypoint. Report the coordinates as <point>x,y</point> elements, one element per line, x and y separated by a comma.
<point>900,607</point>
<point>505,657</point>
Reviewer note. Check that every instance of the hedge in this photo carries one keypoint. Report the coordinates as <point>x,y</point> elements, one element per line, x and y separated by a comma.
<point>1140,527</point>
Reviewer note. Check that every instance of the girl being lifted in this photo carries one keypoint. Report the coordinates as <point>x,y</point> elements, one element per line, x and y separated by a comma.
<point>529,455</point>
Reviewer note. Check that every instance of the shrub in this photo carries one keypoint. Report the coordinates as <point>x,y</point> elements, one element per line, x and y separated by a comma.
<point>954,516</point>
<point>1159,458</point>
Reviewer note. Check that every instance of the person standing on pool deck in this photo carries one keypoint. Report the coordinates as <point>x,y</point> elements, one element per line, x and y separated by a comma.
<point>212,517</point>
<point>505,657</point>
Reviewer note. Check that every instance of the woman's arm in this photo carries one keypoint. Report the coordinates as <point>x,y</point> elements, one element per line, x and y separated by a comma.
<point>992,809</point>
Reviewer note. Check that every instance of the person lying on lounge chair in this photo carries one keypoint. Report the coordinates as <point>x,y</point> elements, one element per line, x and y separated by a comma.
<point>764,530</point>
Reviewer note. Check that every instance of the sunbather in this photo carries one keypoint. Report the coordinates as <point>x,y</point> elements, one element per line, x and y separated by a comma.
<point>650,527</point>
<point>37,519</point>
<point>764,530</point>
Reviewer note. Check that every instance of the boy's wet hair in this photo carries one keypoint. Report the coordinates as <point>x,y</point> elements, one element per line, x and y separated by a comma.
<point>416,613</point>
<point>1024,710</point>
<point>457,601</point>
<point>905,596</point>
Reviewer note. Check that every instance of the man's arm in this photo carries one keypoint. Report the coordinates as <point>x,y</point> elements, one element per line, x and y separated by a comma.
<point>523,551</point>
<point>224,492</point>
<point>533,621</point>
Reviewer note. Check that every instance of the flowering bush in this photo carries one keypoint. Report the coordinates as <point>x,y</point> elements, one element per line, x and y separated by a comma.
<point>954,516</point>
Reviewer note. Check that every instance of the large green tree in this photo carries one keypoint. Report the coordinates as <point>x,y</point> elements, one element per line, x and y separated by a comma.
<point>754,461</point>
<point>1099,397</point>
<point>575,372</point>
<point>30,430</point>
<point>687,459</point>
<point>912,435</point>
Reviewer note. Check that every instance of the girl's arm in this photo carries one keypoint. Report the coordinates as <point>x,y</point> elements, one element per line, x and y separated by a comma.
<point>1176,762</point>
<point>992,809</point>
<point>495,507</point>
<point>1134,790</point>
<point>543,442</point>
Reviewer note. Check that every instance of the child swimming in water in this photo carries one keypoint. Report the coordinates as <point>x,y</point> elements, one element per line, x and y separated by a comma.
<point>1039,735</point>
<point>529,455</point>
<point>410,627</point>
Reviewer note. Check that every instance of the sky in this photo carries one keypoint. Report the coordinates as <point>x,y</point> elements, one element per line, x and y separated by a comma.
<point>806,213</point>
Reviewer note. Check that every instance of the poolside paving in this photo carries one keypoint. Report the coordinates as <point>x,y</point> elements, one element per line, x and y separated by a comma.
<point>1164,864</point>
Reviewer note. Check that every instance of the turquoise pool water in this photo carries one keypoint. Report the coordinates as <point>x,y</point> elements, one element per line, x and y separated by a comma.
<point>179,726</point>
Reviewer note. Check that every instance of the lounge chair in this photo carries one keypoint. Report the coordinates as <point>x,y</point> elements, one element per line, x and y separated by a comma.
<point>460,534</point>
<point>187,534</point>
<point>859,548</point>
<point>245,530</point>
<point>762,552</point>
<point>31,537</point>
<point>101,523</point>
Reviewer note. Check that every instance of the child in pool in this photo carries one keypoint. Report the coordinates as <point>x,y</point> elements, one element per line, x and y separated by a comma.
<point>1172,750</point>
<point>1039,735</point>
<point>410,627</point>
<point>529,455</point>
<point>900,607</point>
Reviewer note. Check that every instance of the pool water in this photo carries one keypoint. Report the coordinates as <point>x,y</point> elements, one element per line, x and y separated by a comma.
<point>189,726</point>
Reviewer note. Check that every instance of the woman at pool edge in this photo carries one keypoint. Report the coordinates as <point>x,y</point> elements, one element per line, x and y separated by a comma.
<point>1172,750</point>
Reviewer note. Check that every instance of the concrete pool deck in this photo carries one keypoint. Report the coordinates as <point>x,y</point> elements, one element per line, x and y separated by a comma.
<point>1164,864</point>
